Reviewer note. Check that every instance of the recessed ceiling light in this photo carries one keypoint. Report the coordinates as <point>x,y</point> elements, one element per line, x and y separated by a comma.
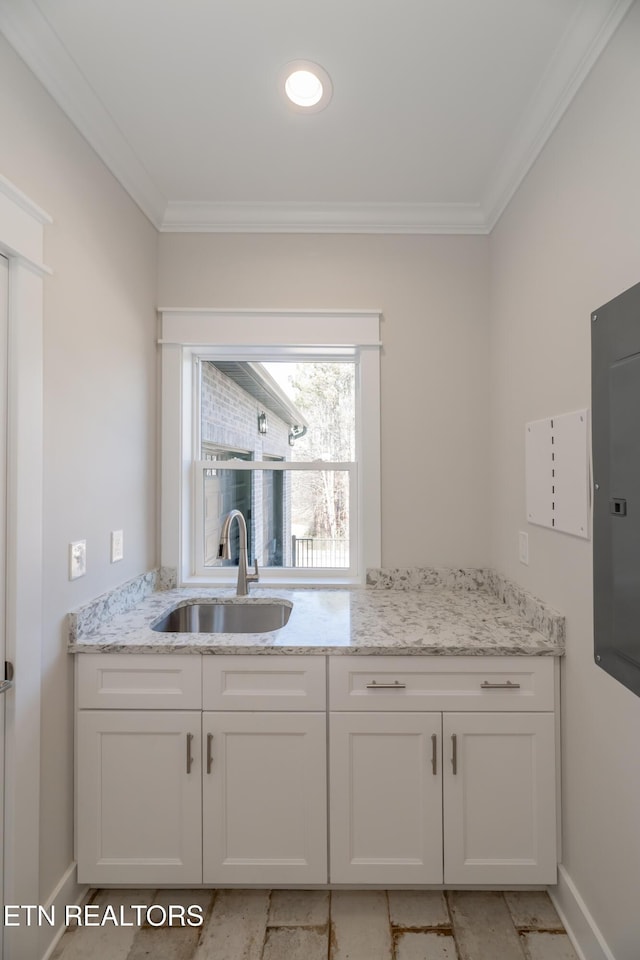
<point>303,88</point>
<point>307,86</point>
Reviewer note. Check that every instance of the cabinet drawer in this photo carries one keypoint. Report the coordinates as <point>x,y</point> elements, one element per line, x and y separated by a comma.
<point>441,683</point>
<point>139,681</point>
<point>268,682</point>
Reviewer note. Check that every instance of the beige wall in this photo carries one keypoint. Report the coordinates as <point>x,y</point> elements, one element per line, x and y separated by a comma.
<point>432,292</point>
<point>569,242</point>
<point>99,399</point>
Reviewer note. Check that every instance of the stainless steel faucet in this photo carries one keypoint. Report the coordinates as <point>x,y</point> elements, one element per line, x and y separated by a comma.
<point>224,551</point>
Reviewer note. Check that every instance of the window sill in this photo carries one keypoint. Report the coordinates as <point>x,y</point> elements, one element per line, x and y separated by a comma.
<point>266,582</point>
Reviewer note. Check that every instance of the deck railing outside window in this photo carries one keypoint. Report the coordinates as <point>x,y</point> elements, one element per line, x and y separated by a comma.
<point>319,552</point>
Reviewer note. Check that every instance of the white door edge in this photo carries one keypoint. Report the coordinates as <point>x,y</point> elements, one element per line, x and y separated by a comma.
<point>4,301</point>
<point>21,239</point>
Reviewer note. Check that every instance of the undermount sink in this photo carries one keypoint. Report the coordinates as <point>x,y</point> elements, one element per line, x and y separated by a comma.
<point>224,617</point>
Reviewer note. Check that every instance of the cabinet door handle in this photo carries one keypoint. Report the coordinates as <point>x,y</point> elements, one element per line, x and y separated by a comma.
<point>454,753</point>
<point>434,754</point>
<point>189,757</point>
<point>209,754</point>
<point>485,685</point>
<point>396,685</point>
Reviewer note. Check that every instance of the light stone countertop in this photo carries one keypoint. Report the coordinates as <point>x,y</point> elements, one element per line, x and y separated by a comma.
<point>433,620</point>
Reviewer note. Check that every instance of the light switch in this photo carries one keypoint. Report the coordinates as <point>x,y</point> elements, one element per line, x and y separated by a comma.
<point>523,547</point>
<point>117,545</point>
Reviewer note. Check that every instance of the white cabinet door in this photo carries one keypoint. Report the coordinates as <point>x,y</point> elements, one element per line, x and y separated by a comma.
<point>264,798</point>
<point>139,800</point>
<point>385,798</point>
<point>499,798</point>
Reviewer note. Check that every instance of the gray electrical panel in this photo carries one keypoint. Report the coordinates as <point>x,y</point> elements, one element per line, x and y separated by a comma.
<point>615,417</point>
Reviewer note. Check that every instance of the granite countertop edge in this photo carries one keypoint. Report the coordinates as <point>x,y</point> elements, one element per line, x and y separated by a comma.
<point>205,649</point>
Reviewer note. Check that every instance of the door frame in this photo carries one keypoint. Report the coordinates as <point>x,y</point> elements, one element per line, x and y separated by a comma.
<point>4,366</point>
<point>21,240</point>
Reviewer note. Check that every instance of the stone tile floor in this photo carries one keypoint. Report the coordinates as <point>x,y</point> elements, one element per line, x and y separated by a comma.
<point>322,925</point>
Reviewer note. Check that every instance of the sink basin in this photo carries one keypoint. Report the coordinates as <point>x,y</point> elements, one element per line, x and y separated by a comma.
<point>221,617</point>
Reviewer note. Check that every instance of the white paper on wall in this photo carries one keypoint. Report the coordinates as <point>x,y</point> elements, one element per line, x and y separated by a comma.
<point>557,472</point>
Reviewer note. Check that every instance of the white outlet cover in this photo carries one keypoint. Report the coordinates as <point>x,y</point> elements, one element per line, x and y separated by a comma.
<point>77,559</point>
<point>117,545</point>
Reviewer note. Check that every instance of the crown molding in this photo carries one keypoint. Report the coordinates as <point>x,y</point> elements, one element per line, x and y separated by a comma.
<point>586,37</point>
<point>30,34</point>
<point>319,217</point>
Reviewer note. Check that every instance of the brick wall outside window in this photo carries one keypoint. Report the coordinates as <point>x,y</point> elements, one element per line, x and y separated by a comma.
<point>230,420</point>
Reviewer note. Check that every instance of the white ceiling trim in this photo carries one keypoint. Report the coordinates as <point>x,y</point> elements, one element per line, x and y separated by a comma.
<point>585,39</point>
<point>30,34</point>
<point>323,218</point>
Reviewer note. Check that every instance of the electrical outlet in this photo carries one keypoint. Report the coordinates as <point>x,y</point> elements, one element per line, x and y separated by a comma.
<point>77,559</point>
<point>523,547</point>
<point>117,545</point>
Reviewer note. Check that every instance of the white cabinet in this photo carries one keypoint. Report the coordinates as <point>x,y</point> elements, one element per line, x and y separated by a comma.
<point>385,798</point>
<point>178,796</point>
<point>263,682</point>
<point>499,798</point>
<point>138,681</point>
<point>138,770</point>
<point>265,761</point>
<point>213,769</point>
<point>474,785</point>
<point>441,683</point>
<point>139,797</point>
<point>264,794</point>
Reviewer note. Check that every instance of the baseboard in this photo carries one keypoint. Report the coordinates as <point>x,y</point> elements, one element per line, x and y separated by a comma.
<point>583,931</point>
<point>66,893</point>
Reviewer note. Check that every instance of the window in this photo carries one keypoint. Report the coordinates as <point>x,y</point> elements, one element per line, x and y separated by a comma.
<point>288,435</point>
<point>274,510</point>
<point>231,490</point>
<point>303,412</point>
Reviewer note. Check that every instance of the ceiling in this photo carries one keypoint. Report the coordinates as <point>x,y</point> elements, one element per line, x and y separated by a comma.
<point>439,107</point>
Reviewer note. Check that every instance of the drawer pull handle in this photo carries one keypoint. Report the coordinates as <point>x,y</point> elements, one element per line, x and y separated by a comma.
<point>454,753</point>
<point>189,757</point>
<point>396,685</point>
<point>434,754</point>
<point>485,685</point>
<point>209,754</point>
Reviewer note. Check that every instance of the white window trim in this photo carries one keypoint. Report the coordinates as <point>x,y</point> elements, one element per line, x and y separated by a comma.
<point>266,335</point>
